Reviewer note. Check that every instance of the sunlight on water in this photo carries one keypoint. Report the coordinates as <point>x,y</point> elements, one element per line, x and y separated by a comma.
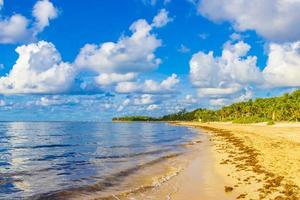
<point>42,158</point>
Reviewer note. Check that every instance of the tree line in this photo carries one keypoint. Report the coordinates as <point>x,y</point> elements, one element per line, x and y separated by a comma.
<point>282,108</point>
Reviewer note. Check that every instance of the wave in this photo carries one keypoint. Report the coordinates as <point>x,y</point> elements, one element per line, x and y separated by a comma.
<point>108,182</point>
<point>45,146</point>
<point>130,155</point>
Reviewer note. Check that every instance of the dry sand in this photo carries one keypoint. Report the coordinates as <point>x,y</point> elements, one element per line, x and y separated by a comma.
<point>234,161</point>
<point>259,161</point>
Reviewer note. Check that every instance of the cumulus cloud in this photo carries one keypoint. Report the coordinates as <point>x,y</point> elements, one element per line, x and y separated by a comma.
<point>161,19</point>
<point>56,101</point>
<point>119,63</point>
<point>142,102</point>
<point>189,99</point>
<point>232,76</point>
<point>39,69</point>
<point>245,95</point>
<point>17,28</point>
<point>153,107</point>
<point>276,20</point>
<point>113,78</point>
<point>144,99</point>
<point>236,37</point>
<point>127,87</point>
<point>283,66</point>
<point>129,54</point>
<point>14,29</point>
<point>224,75</point>
<point>124,104</point>
<point>149,86</point>
<point>43,11</point>
<point>218,102</point>
<point>1,4</point>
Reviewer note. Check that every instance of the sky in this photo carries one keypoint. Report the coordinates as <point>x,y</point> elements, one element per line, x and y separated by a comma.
<point>94,60</point>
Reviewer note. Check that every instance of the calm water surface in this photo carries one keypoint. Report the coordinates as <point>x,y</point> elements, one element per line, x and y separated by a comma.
<point>39,159</point>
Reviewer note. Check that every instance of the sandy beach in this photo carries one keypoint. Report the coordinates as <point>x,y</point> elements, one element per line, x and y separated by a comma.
<point>235,161</point>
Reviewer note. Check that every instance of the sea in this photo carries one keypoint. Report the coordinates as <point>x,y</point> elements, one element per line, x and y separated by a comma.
<point>46,160</point>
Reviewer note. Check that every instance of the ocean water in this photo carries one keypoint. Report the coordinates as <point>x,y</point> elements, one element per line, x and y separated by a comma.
<point>41,160</point>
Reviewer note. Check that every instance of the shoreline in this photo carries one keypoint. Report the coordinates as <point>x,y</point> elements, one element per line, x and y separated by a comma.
<point>235,161</point>
<point>259,161</point>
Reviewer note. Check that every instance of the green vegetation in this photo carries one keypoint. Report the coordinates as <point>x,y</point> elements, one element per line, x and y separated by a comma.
<point>180,116</point>
<point>134,118</point>
<point>282,108</point>
<point>249,119</point>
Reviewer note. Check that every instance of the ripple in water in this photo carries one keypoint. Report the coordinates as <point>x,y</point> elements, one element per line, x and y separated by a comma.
<point>41,160</point>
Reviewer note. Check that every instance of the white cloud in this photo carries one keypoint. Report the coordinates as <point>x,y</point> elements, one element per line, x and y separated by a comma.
<point>127,87</point>
<point>161,19</point>
<point>14,29</point>
<point>153,107</point>
<point>17,28</point>
<point>219,92</point>
<point>170,82</point>
<point>184,49</point>
<point>149,102</point>
<point>43,11</point>
<point>234,75</point>
<point>218,102</point>
<point>144,99</point>
<point>283,66</point>
<point>188,99</point>
<point>235,37</point>
<point>39,69</point>
<point>276,20</point>
<point>119,63</point>
<point>1,3</point>
<point>129,54</point>
<point>154,2</point>
<point>224,75</point>
<point>56,101</point>
<point>113,78</point>
<point>126,102</point>
<point>245,95</point>
<point>2,103</point>
<point>149,86</point>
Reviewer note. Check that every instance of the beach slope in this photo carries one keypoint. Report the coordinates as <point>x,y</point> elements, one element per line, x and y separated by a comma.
<point>237,161</point>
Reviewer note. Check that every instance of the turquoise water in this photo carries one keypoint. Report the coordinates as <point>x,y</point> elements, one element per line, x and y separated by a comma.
<point>41,160</point>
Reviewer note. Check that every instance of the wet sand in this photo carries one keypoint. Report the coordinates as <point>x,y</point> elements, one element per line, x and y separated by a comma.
<point>197,180</point>
<point>232,161</point>
<point>236,161</point>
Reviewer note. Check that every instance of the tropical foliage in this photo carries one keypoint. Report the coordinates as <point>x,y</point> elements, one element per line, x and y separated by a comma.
<point>134,118</point>
<point>282,108</point>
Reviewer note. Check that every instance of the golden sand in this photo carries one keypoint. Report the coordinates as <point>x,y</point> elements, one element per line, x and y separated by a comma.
<point>233,161</point>
<point>258,161</point>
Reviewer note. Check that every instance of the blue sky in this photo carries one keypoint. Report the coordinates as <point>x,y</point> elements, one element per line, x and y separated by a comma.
<point>73,60</point>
